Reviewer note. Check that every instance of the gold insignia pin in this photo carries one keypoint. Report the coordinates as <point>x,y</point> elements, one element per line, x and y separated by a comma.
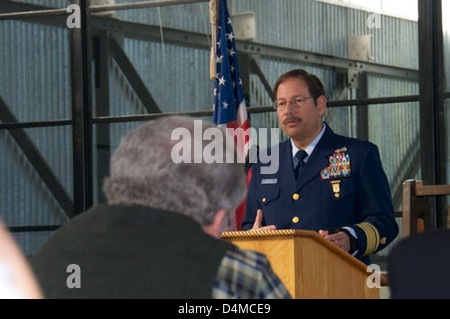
<point>383,241</point>
<point>336,188</point>
<point>341,150</point>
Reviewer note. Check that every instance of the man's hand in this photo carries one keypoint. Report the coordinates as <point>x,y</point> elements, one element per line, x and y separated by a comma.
<point>257,226</point>
<point>339,239</point>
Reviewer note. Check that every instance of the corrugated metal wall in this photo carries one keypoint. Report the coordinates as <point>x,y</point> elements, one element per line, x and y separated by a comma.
<point>184,70</point>
<point>324,28</point>
<point>35,81</point>
<point>50,3</point>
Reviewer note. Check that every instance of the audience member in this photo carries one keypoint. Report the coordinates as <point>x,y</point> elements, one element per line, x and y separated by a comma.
<point>158,235</point>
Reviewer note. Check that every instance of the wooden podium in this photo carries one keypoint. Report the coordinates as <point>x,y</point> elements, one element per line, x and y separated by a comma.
<point>309,266</point>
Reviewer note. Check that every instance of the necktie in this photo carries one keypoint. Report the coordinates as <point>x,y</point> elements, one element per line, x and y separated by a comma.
<point>298,161</point>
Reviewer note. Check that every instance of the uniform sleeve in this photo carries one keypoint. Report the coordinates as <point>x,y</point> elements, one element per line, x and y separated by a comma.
<point>378,227</point>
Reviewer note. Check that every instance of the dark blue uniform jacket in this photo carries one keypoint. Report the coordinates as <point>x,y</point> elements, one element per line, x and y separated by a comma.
<point>342,185</point>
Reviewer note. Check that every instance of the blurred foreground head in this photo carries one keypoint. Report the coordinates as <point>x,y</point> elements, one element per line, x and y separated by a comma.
<point>17,280</point>
<point>146,170</point>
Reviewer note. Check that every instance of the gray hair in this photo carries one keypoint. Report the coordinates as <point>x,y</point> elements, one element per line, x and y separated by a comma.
<point>143,173</point>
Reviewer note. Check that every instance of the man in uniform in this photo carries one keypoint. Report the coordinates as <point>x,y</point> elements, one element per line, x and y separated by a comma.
<point>326,182</point>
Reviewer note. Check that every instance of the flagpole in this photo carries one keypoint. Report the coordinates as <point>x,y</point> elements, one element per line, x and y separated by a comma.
<point>213,16</point>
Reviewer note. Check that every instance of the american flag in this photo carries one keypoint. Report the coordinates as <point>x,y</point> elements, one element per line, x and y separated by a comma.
<point>229,103</point>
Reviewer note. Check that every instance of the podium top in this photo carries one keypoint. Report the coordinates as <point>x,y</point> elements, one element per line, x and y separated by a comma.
<point>293,233</point>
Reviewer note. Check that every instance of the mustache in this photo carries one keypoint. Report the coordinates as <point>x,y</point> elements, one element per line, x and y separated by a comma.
<point>291,118</point>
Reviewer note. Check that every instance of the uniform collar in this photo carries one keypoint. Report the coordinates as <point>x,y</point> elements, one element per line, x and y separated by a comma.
<point>310,148</point>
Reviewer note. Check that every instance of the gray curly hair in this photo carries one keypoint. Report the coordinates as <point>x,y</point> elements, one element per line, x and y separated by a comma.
<point>143,173</point>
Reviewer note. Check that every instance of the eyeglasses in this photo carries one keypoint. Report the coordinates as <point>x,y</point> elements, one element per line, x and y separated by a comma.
<point>280,105</point>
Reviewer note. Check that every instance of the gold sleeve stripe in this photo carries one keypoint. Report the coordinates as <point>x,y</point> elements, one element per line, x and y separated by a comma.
<point>372,236</point>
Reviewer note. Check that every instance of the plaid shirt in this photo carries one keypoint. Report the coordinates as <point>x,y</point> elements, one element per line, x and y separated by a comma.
<point>245,274</point>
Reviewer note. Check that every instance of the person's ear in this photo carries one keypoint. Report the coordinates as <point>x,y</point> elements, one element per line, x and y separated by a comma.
<point>215,229</point>
<point>322,105</point>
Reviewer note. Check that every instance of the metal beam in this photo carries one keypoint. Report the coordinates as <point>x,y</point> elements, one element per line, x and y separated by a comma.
<point>256,69</point>
<point>200,40</point>
<point>250,110</point>
<point>102,143</point>
<point>362,112</point>
<point>142,5</point>
<point>80,52</point>
<point>32,14</point>
<point>47,12</point>
<point>431,66</point>
<point>245,68</point>
<point>9,126</point>
<point>33,229</point>
<point>16,7</point>
<point>306,57</point>
<point>411,161</point>
<point>133,77</point>
<point>187,38</point>
<point>374,101</point>
<point>181,37</point>
<point>37,161</point>
<point>261,109</point>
